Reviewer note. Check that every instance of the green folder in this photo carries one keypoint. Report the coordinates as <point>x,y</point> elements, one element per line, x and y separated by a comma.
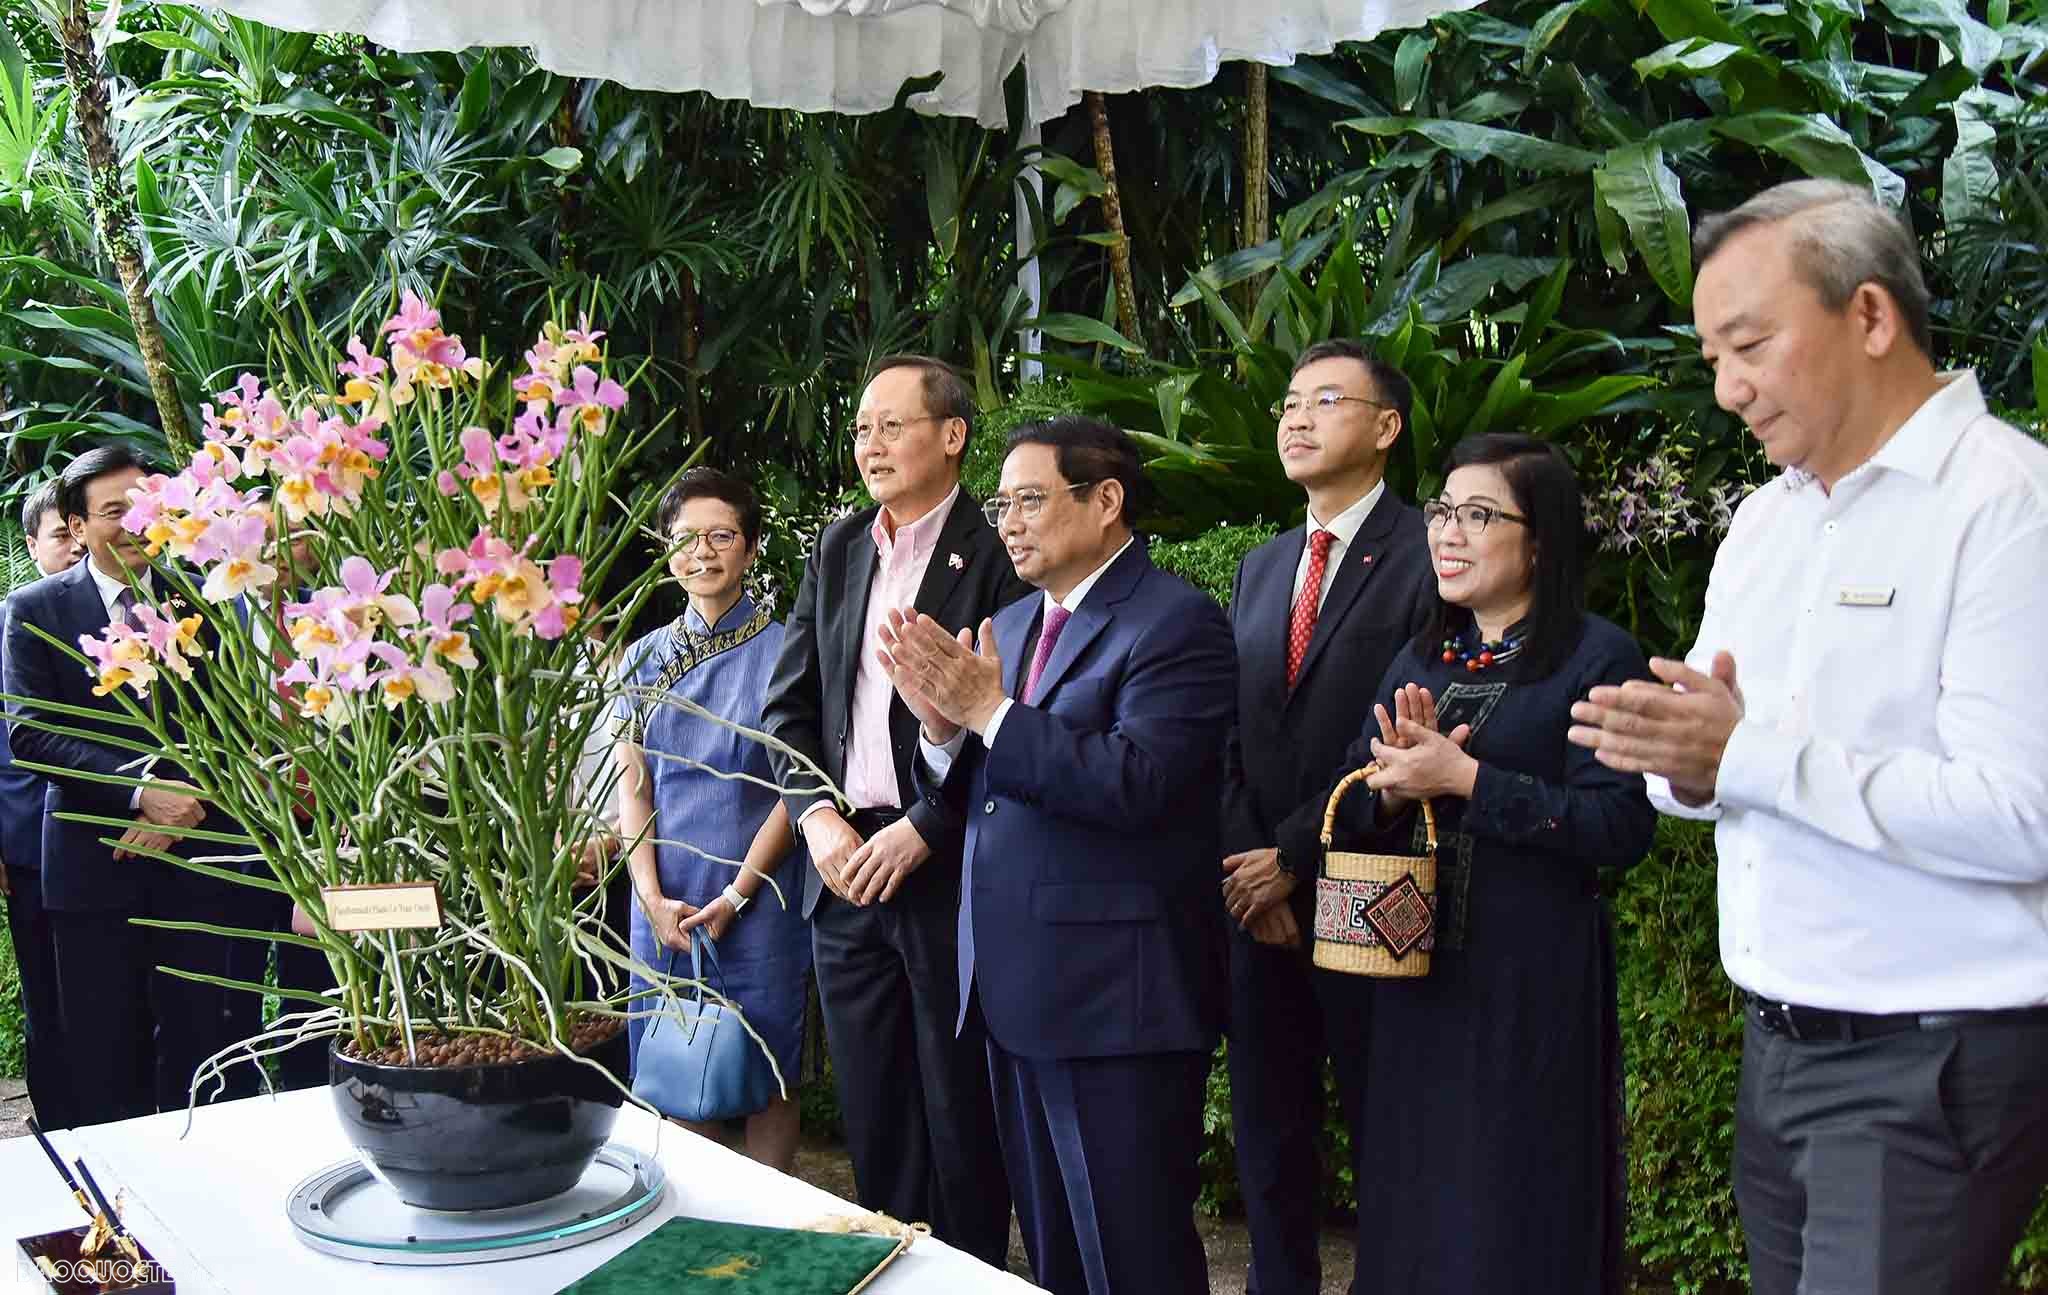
<point>686,1256</point>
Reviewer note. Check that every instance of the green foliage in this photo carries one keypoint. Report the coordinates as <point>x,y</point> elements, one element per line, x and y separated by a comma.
<point>983,472</point>
<point>1682,1043</point>
<point>1209,561</point>
<point>13,1038</point>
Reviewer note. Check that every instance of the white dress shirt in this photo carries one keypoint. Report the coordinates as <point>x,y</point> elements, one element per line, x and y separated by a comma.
<point>1883,804</point>
<point>938,758</point>
<point>1344,526</point>
<point>111,588</point>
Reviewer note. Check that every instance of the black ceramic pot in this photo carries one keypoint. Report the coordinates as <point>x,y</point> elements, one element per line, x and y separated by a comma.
<point>479,1137</point>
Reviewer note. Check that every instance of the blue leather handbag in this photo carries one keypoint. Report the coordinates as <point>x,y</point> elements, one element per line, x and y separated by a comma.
<point>704,1069</point>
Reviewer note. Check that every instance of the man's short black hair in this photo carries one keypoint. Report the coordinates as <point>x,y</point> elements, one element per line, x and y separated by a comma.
<point>710,483</point>
<point>89,467</point>
<point>42,501</point>
<point>1389,383</point>
<point>1089,450</point>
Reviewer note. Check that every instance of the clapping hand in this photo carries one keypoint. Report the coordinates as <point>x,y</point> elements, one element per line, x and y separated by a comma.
<point>1417,762</point>
<point>948,682</point>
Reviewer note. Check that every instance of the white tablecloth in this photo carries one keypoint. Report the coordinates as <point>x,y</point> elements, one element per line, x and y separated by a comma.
<point>211,1206</point>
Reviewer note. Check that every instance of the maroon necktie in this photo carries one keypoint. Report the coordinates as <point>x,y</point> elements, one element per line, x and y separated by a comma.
<point>1301,626</point>
<point>1055,621</point>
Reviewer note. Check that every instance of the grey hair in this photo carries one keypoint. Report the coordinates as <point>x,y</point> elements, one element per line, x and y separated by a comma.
<point>1843,238</point>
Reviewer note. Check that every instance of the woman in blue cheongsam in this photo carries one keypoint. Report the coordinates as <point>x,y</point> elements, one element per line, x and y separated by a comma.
<point>689,824</point>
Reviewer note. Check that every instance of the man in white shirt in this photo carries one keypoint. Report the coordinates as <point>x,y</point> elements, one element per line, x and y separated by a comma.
<point>1863,716</point>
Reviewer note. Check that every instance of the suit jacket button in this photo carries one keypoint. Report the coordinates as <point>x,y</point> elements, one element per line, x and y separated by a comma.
<point>989,808</point>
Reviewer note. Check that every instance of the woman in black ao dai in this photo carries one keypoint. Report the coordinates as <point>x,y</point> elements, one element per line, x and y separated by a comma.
<point>1486,1097</point>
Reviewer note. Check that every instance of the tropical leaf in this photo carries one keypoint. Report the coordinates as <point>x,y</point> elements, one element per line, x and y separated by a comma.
<point>1080,328</point>
<point>1817,146</point>
<point>1645,193</point>
<point>1471,141</point>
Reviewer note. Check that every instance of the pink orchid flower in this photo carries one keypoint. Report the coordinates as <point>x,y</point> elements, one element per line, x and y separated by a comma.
<point>589,400</point>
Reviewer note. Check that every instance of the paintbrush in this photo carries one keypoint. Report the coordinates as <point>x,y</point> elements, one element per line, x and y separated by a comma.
<point>121,1237</point>
<point>57,1163</point>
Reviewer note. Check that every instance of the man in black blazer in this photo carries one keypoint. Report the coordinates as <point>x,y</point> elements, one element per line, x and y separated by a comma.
<point>884,885</point>
<point>134,1035</point>
<point>1319,613</point>
<point>52,549</point>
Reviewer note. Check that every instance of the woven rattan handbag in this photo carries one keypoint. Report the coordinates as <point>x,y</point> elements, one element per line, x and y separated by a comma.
<point>1375,913</point>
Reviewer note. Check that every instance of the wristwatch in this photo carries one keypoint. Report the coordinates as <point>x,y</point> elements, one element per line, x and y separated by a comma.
<point>1280,862</point>
<point>738,901</point>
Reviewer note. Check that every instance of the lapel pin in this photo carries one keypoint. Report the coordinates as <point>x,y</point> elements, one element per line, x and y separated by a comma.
<point>1367,559</point>
<point>955,561</point>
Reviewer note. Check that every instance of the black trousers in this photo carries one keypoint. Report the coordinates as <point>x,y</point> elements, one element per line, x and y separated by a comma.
<point>135,1034</point>
<point>1900,1165</point>
<point>1103,1154</point>
<point>919,1123</point>
<point>35,957</point>
<point>1276,1111</point>
<point>304,1065</point>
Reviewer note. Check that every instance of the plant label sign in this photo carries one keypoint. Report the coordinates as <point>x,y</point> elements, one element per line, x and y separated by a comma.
<point>392,906</point>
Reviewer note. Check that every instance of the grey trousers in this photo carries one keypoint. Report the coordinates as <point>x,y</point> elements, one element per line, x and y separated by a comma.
<point>1901,1165</point>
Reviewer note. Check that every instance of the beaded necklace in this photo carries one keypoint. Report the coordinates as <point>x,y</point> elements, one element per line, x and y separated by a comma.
<point>1481,655</point>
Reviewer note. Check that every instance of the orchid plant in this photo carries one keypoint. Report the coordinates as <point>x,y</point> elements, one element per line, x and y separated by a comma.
<point>376,659</point>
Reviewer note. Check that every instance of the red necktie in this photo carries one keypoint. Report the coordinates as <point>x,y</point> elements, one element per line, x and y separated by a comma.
<point>1055,621</point>
<point>1301,626</point>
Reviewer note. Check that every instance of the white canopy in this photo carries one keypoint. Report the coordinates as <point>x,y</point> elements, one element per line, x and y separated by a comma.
<point>854,55</point>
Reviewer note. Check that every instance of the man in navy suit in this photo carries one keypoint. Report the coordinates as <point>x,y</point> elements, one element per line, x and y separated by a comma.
<point>52,549</point>
<point>1082,736</point>
<point>1320,612</point>
<point>134,1035</point>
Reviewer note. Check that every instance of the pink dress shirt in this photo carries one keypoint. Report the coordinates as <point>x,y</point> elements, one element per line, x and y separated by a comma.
<point>900,563</point>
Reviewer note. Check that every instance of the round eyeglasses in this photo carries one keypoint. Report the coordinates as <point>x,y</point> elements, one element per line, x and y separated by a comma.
<point>720,538</point>
<point>888,430</point>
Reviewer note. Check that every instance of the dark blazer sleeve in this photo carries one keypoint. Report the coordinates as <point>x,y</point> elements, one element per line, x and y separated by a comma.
<point>1172,708</point>
<point>1596,817</point>
<point>1242,829</point>
<point>31,671</point>
<point>793,710</point>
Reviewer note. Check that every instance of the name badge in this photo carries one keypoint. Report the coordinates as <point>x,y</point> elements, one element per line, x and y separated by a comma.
<point>1865,596</point>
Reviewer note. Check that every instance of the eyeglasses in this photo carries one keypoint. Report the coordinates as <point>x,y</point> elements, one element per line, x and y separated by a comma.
<point>1319,404</point>
<point>889,430</point>
<point>1473,519</point>
<point>1026,502</point>
<point>721,539</point>
<point>112,513</point>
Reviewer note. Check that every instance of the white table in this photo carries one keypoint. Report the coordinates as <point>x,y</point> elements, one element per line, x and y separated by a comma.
<point>211,1206</point>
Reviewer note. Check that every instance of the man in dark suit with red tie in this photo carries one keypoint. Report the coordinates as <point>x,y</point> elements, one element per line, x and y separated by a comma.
<point>1319,612</point>
<point>1082,737</point>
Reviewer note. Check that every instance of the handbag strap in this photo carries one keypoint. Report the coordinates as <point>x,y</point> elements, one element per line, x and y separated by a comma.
<point>1345,784</point>
<point>702,946</point>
